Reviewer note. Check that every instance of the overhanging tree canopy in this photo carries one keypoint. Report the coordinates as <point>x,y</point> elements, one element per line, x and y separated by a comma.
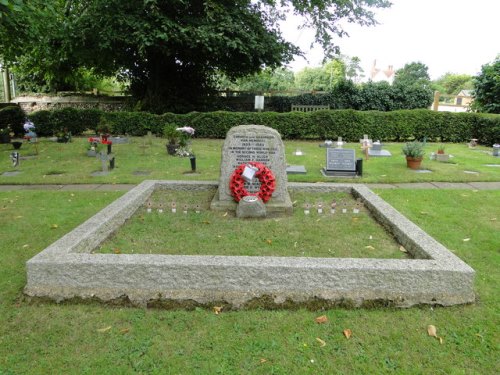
<point>167,49</point>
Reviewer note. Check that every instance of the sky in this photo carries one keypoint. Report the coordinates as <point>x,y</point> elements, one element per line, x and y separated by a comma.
<point>456,36</point>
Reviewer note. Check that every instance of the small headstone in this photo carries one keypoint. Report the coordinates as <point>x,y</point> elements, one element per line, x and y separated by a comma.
<point>298,152</point>
<point>340,143</point>
<point>173,206</point>
<point>340,162</point>
<point>376,150</point>
<point>15,157</point>
<point>251,207</point>
<point>296,169</point>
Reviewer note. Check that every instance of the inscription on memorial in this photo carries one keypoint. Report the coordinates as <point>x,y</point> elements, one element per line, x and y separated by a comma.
<point>257,143</point>
<point>259,148</point>
<point>340,159</point>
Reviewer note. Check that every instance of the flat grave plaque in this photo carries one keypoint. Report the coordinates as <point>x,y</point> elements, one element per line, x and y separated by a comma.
<point>338,159</point>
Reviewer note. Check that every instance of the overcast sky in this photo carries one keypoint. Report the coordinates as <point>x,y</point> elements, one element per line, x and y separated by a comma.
<point>457,36</point>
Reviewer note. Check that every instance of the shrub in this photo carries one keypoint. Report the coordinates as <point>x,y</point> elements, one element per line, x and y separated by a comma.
<point>13,117</point>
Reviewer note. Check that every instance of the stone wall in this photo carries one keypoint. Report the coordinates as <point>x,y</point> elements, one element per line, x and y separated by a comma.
<point>37,103</point>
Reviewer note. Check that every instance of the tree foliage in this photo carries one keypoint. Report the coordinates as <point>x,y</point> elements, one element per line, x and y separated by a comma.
<point>452,84</point>
<point>412,73</point>
<point>487,88</point>
<point>167,50</point>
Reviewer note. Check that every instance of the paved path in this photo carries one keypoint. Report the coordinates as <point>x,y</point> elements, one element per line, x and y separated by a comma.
<point>125,187</point>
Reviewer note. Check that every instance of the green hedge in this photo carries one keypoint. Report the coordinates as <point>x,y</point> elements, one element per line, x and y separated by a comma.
<point>349,124</point>
<point>13,117</point>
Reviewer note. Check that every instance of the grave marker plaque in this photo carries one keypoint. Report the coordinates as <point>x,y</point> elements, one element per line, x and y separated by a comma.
<point>340,162</point>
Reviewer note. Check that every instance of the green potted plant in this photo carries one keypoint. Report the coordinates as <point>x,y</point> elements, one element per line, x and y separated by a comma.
<point>5,134</point>
<point>173,137</point>
<point>414,152</point>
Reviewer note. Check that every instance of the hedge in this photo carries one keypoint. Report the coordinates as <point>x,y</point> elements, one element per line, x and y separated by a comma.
<point>13,117</point>
<point>349,124</point>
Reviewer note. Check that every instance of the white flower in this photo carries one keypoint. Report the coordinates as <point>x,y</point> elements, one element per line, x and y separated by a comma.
<point>186,129</point>
<point>28,125</point>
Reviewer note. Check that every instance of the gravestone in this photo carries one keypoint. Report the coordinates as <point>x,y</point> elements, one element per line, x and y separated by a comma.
<point>340,162</point>
<point>376,150</point>
<point>245,143</point>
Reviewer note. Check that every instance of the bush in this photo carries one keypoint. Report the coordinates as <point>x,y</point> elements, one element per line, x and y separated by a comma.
<point>13,117</point>
<point>402,125</point>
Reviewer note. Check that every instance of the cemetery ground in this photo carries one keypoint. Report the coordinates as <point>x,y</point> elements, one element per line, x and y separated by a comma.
<point>141,159</point>
<point>39,336</point>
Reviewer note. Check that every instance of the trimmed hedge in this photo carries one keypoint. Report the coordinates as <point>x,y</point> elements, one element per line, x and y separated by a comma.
<point>13,116</point>
<point>401,125</point>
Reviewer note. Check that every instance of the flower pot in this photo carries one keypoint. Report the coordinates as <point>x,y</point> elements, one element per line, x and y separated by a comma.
<point>413,163</point>
<point>440,152</point>
<point>17,145</point>
<point>172,148</point>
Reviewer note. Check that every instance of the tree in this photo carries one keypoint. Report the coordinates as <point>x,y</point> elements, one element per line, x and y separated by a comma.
<point>322,78</point>
<point>168,50</point>
<point>452,84</point>
<point>413,73</point>
<point>487,88</point>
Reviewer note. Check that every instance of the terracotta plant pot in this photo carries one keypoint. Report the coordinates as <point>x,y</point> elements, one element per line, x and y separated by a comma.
<point>441,152</point>
<point>413,163</point>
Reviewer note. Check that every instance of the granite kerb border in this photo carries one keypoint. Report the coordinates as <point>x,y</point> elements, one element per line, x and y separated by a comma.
<point>66,268</point>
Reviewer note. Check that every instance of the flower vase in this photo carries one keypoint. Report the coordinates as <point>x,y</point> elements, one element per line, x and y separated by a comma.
<point>192,159</point>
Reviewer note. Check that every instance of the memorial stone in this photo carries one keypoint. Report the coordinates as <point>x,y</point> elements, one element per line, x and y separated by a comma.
<point>246,143</point>
<point>340,162</point>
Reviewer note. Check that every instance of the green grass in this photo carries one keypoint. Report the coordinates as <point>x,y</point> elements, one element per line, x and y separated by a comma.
<point>342,235</point>
<point>74,167</point>
<point>46,338</point>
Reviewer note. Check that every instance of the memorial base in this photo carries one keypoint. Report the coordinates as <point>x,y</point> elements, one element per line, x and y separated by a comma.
<point>333,173</point>
<point>274,208</point>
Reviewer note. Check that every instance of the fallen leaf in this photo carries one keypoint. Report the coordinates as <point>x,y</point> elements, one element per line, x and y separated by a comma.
<point>423,212</point>
<point>54,226</point>
<point>401,248</point>
<point>224,215</point>
<point>493,219</point>
<point>321,319</point>
<point>117,251</point>
<point>218,309</point>
<point>440,340</point>
<point>18,217</point>
<point>101,330</point>
<point>369,247</point>
<point>432,330</point>
<point>355,219</point>
<point>269,241</point>
<point>321,342</point>
<point>26,246</point>
<point>206,222</point>
<point>263,360</point>
<point>347,333</point>
<point>124,330</point>
<point>466,239</point>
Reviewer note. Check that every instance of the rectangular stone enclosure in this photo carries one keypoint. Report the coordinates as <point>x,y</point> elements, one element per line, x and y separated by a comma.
<point>68,268</point>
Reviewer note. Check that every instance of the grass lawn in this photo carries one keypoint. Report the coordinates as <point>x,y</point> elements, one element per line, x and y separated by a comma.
<point>341,235</point>
<point>87,338</point>
<point>59,163</point>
